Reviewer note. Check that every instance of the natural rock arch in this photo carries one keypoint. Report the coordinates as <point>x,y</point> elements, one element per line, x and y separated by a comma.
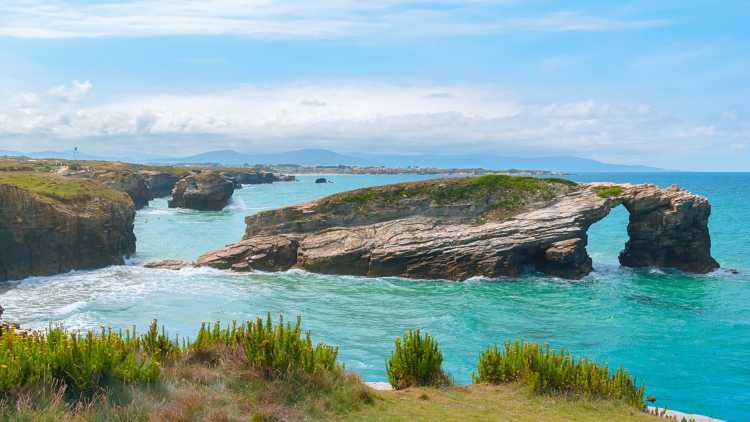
<point>411,237</point>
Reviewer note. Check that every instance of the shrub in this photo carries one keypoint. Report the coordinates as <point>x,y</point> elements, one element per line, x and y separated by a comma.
<point>416,361</point>
<point>274,350</point>
<point>547,371</point>
<point>608,191</point>
<point>82,363</point>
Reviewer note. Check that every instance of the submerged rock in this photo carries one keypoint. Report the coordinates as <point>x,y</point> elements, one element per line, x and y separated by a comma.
<point>460,228</point>
<point>321,180</point>
<point>206,191</point>
<point>50,225</point>
<point>169,264</point>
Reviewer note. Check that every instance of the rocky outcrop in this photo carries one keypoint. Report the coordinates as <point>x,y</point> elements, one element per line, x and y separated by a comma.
<point>160,184</point>
<point>130,182</point>
<point>256,177</point>
<point>42,232</point>
<point>205,191</point>
<point>461,228</point>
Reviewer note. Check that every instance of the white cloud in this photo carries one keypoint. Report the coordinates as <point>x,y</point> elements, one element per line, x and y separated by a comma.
<point>53,19</point>
<point>363,116</point>
<point>73,93</point>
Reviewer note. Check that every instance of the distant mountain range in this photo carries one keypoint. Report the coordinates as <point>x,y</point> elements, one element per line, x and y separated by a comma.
<point>323,157</point>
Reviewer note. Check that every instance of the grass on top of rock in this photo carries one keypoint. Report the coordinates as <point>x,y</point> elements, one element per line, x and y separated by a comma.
<point>66,190</point>
<point>510,191</point>
<point>608,191</point>
<point>551,372</point>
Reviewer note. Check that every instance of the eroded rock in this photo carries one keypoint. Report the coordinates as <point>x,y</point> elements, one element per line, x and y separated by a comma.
<point>447,229</point>
<point>205,191</point>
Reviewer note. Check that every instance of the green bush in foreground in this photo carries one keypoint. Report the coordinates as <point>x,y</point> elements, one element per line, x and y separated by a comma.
<point>86,363</point>
<point>80,362</point>
<point>547,371</point>
<point>274,350</point>
<point>415,362</point>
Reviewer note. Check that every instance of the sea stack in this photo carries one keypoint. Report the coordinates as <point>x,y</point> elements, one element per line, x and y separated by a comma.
<point>459,228</point>
<point>204,191</point>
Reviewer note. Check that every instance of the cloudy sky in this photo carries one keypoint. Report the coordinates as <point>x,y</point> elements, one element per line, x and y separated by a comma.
<point>662,83</point>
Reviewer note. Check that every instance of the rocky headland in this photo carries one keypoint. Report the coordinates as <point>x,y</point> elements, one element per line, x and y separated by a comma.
<point>51,224</point>
<point>493,225</point>
<point>205,191</point>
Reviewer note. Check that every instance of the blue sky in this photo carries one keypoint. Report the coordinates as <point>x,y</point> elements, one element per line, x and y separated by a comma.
<point>662,83</point>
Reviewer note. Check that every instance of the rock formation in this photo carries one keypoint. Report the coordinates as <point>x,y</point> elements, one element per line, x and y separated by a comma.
<point>205,191</point>
<point>160,184</point>
<point>321,180</point>
<point>50,225</point>
<point>130,182</point>
<point>460,228</point>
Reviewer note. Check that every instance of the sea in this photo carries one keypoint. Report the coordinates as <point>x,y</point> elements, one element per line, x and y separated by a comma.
<point>686,337</point>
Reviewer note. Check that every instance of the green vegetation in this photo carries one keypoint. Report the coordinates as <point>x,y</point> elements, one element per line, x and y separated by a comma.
<point>272,350</point>
<point>547,371</point>
<point>66,190</point>
<point>416,362</point>
<point>608,191</point>
<point>506,402</point>
<point>262,371</point>
<point>506,192</point>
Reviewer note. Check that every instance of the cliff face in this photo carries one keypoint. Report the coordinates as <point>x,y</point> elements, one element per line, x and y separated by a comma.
<point>206,191</point>
<point>44,235</point>
<point>456,229</point>
<point>130,182</point>
<point>160,184</point>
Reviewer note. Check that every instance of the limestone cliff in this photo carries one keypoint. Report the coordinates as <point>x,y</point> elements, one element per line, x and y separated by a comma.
<point>459,228</point>
<point>50,225</point>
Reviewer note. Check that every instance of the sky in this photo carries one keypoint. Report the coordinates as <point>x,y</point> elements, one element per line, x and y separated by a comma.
<point>664,83</point>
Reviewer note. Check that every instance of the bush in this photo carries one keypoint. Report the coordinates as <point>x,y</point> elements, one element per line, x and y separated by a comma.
<point>416,361</point>
<point>82,363</point>
<point>274,350</point>
<point>608,191</point>
<point>547,371</point>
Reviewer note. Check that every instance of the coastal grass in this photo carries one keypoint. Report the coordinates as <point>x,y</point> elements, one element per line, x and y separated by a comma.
<point>506,402</point>
<point>608,191</point>
<point>59,189</point>
<point>416,361</point>
<point>550,372</point>
<point>508,192</point>
<point>263,370</point>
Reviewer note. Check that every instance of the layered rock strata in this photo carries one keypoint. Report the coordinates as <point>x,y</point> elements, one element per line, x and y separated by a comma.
<point>205,191</point>
<point>444,229</point>
<point>43,232</point>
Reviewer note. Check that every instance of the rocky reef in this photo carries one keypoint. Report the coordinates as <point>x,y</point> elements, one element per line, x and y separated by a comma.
<point>52,224</point>
<point>460,228</point>
<point>205,191</point>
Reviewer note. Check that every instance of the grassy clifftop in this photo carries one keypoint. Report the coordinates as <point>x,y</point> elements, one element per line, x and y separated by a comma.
<point>59,189</point>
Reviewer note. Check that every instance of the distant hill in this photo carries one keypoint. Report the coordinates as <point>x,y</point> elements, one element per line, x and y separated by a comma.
<point>305,157</point>
<point>324,157</point>
<point>63,155</point>
<point>311,157</point>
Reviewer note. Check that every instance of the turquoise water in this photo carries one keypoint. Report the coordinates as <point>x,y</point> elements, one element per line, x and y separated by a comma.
<point>687,337</point>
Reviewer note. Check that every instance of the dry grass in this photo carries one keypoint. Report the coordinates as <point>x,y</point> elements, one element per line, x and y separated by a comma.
<point>509,402</point>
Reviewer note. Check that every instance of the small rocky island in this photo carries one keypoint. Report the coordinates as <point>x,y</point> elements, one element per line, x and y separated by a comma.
<point>493,225</point>
<point>205,191</point>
